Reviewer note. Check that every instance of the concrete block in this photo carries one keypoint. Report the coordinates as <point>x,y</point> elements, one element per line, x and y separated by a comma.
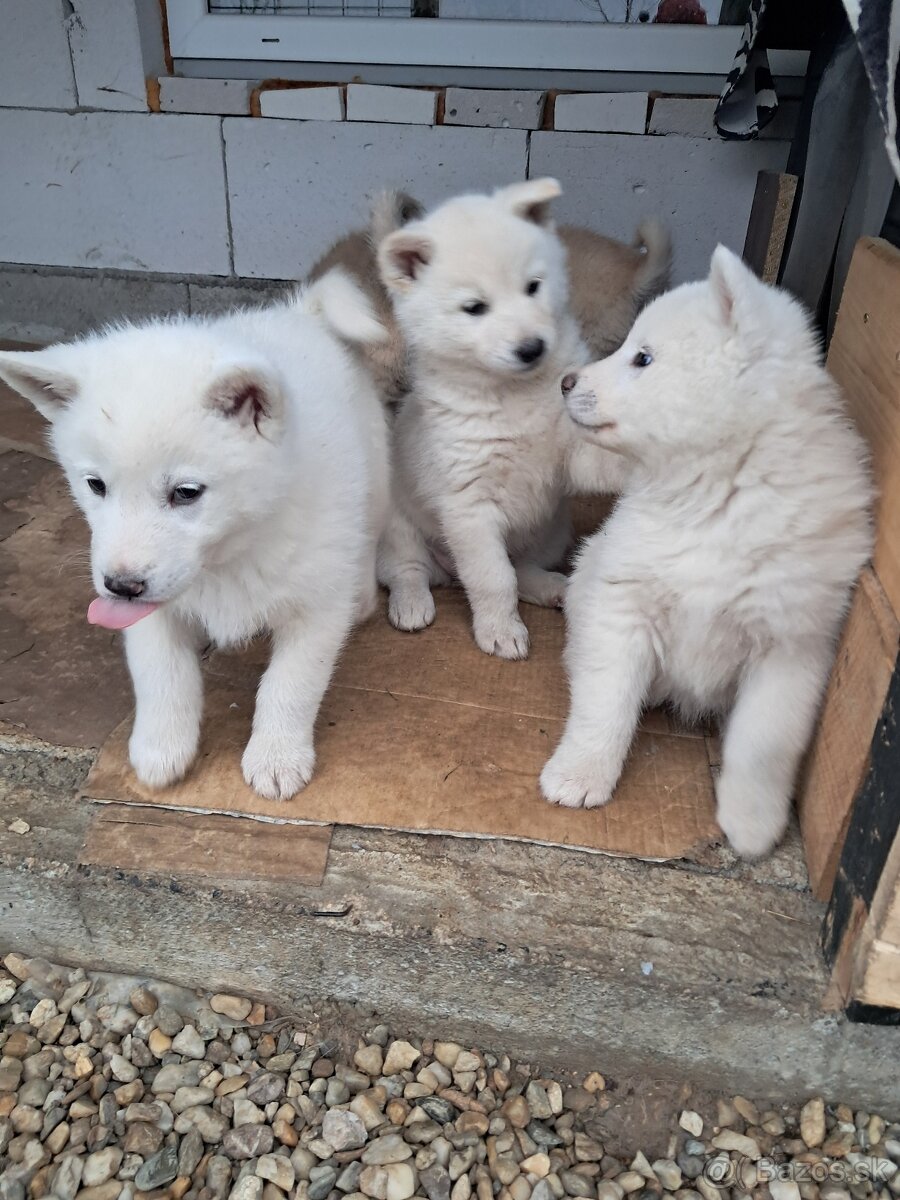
<point>509,109</point>
<point>46,305</point>
<point>693,117</point>
<point>35,63</point>
<point>222,97</point>
<point>303,104</point>
<point>295,187</point>
<point>120,190</point>
<point>106,53</point>
<point>394,105</point>
<point>601,112</point>
<point>209,299</point>
<point>701,189</point>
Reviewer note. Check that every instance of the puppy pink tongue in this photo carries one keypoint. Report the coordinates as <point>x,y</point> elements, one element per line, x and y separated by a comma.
<point>118,614</point>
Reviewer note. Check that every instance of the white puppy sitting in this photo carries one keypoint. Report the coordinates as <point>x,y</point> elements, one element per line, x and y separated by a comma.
<point>482,443</point>
<point>233,472</point>
<point>722,577</point>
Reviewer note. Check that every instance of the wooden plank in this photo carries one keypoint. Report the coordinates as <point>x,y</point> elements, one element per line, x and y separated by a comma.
<point>839,756</point>
<point>770,216</point>
<point>135,838</point>
<point>865,360</point>
<point>880,979</point>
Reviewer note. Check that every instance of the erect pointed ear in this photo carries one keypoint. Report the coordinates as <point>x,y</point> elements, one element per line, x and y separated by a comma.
<point>35,375</point>
<point>249,394</point>
<point>736,290</point>
<point>402,255</point>
<point>531,200</point>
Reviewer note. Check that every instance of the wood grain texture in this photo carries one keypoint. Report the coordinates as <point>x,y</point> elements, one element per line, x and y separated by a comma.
<point>839,756</point>
<point>770,215</point>
<point>133,838</point>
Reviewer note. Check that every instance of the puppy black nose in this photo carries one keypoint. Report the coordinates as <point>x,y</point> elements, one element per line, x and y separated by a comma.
<point>568,382</point>
<point>126,586</point>
<point>531,350</point>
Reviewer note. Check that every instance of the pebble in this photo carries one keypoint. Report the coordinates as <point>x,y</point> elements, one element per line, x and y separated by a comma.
<point>210,1125</point>
<point>668,1173</point>
<point>630,1181</point>
<point>400,1057</point>
<point>390,1148</point>
<point>189,1043</point>
<point>143,1001</point>
<point>438,1109</point>
<point>344,1130</point>
<point>161,1169</point>
<point>691,1122</point>
<point>784,1189</point>
<point>395,1181</point>
<point>248,1187</point>
<point>370,1059</point>
<point>277,1169</point>
<point>321,1181</point>
<point>236,1008</point>
<point>812,1124</point>
<point>729,1140</point>
<point>248,1141</point>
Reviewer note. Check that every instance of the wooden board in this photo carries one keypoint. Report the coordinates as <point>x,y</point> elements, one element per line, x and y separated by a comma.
<point>839,756</point>
<point>864,358</point>
<point>137,839</point>
<point>770,216</point>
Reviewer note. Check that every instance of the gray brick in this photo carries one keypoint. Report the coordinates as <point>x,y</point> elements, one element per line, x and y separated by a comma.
<point>303,104</point>
<point>296,186</point>
<point>692,116</point>
<point>397,105</point>
<point>497,109</point>
<point>120,190</point>
<point>602,112</point>
<point>35,64</point>
<point>225,97</point>
<point>106,54</point>
<point>701,189</point>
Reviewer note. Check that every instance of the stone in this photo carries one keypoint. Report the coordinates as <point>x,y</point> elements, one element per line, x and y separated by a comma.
<point>388,1149</point>
<point>784,1189</point>
<point>209,1124</point>
<point>538,1101</point>
<point>175,1075</point>
<point>576,1185</point>
<point>536,1164</point>
<point>246,1112</point>
<point>691,1122</point>
<point>236,1008</point>
<point>160,1043</point>
<point>630,1181</point>
<point>400,1057</point>
<point>516,1111</point>
<point>729,1140</point>
<point>321,1181</point>
<point>25,1119</point>
<point>143,1001</point>
<point>67,1179</point>
<point>343,1129</point>
<point>265,1088</point>
<point>436,1182</point>
<point>447,1054</point>
<point>168,1020</point>
<point>438,1109</point>
<point>587,1149</point>
<point>101,1166</point>
<point>218,1176</point>
<point>277,1169</point>
<point>337,1091</point>
<point>191,1097</point>
<point>543,1135</point>
<point>394,1181</point>
<point>370,1059</point>
<point>368,1111</point>
<point>608,1189</point>
<point>161,1169</point>
<point>122,1070</point>
<point>248,1141</point>
<point>249,1187</point>
<point>668,1173</point>
<point>189,1043</point>
<point>142,1138</point>
<point>812,1122</point>
<point>190,1151</point>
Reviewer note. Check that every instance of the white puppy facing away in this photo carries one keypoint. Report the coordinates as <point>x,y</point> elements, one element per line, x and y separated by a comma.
<point>234,475</point>
<point>484,453</point>
<point>721,580</point>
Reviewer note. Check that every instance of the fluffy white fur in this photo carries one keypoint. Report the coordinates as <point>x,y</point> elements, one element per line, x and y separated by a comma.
<point>484,453</point>
<point>722,577</point>
<point>267,411</point>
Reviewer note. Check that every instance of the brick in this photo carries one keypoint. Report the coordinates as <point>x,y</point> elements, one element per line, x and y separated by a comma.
<point>35,64</point>
<point>601,112</point>
<point>394,105</point>
<point>303,104</point>
<point>210,299</point>
<point>497,109</point>
<point>701,189</point>
<point>286,206</point>
<point>107,57</point>
<point>222,97</point>
<point>692,116</point>
<point>121,190</point>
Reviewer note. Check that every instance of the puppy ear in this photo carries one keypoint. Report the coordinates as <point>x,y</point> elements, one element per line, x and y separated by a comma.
<point>736,290</point>
<point>35,375</point>
<point>249,394</point>
<point>531,200</point>
<point>401,257</point>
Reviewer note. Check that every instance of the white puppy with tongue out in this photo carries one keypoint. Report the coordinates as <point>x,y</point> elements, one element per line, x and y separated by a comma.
<point>234,476</point>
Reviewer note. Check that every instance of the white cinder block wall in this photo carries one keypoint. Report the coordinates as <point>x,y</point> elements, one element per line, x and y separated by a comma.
<point>94,183</point>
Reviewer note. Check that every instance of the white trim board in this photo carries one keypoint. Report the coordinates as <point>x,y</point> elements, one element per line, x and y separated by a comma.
<point>195,33</point>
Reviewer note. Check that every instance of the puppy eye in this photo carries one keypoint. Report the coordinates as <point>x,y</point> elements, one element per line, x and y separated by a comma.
<point>97,486</point>
<point>186,493</point>
<point>643,358</point>
<point>475,308</point>
<point>533,288</point>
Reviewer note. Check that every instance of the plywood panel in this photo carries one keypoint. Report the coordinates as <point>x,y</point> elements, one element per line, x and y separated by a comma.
<point>839,755</point>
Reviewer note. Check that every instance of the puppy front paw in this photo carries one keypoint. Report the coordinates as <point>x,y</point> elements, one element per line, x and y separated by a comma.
<point>162,758</point>
<point>504,637</point>
<point>576,779</point>
<point>544,588</point>
<point>277,768</point>
<point>410,609</point>
<point>752,815</point>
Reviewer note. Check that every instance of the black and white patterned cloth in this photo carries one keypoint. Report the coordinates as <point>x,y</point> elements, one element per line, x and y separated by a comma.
<point>748,101</point>
<point>876,24</point>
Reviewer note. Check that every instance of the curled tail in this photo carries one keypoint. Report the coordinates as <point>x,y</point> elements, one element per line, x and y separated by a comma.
<point>652,276</point>
<point>391,211</point>
<point>344,307</point>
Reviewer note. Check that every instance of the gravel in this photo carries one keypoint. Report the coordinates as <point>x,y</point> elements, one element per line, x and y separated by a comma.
<point>124,1097</point>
